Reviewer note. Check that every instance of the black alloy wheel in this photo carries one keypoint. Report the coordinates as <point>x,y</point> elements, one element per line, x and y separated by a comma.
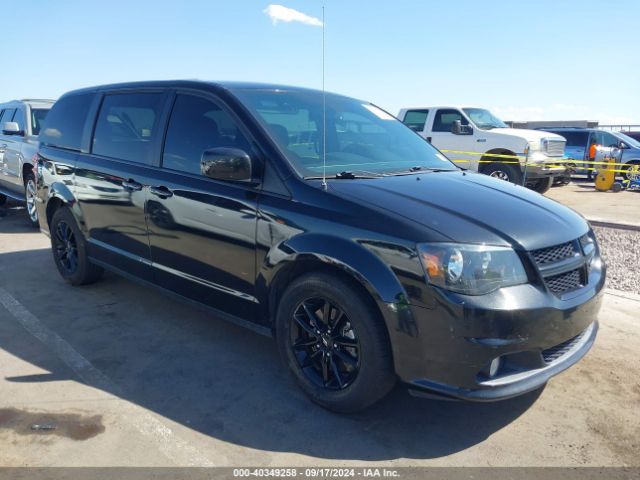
<point>66,248</point>
<point>70,250</point>
<point>334,342</point>
<point>325,344</point>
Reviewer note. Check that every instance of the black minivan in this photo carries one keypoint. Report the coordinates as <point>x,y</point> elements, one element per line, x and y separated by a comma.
<point>324,221</point>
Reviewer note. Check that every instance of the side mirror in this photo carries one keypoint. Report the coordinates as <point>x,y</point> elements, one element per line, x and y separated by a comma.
<point>226,164</point>
<point>458,129</point>
<point>11,128</point>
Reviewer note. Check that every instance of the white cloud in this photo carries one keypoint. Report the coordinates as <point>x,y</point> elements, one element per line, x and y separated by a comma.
<point>278,13</point>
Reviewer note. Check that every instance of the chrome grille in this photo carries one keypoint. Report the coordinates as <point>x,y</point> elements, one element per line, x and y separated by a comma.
<point>554,353</point>
<point>566,281</point>
<point>548,255</point>
<point>555,148</point>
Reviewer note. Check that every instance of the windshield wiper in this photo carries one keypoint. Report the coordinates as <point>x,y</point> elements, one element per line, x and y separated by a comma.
<point>349,175</point>
<point>414,170</point>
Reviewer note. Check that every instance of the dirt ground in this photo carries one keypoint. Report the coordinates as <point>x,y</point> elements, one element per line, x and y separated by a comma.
<point>116,374</point>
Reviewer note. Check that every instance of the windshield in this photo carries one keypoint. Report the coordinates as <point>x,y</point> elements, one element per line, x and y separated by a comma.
<point>484,119</point>
<point>632,142</point>
<point>37,119</point>
<point>360,137</point>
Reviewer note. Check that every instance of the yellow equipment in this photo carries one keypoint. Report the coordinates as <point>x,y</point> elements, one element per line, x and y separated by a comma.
<point>607,176</point>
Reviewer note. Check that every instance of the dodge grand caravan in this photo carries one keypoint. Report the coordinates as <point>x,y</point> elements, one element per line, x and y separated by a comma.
<point>366,253</point>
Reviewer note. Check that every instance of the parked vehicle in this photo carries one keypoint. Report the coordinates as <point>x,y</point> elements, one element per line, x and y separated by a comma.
<point>464,129</point>
<point>580,139</point>
<point>371,259</point>
<point>20,121</point>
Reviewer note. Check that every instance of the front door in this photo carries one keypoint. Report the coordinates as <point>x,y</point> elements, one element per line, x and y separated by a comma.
<point>443,139</point>
<point>202,231</point>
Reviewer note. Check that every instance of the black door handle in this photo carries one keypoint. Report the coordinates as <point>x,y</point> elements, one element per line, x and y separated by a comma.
<point>131,185</point>
<point>162,192</point>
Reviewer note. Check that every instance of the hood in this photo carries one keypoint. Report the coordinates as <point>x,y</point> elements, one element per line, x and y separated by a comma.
<point>530,135</point>
<point>469,208</point>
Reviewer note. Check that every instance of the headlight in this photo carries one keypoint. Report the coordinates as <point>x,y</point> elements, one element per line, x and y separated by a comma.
<point>471,269</point>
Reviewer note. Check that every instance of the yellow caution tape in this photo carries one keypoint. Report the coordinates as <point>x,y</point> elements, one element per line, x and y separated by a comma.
<point>566,163</point>
<point>554,166</point>
<point>496,155</point>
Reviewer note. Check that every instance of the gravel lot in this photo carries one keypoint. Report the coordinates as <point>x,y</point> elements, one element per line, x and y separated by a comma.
<point>621,252</point>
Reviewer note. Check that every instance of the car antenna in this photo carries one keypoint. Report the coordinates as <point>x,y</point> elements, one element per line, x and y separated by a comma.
<point>324,116</point>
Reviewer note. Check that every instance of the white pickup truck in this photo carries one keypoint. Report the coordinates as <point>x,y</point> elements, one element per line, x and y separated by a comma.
<point>455,130</point>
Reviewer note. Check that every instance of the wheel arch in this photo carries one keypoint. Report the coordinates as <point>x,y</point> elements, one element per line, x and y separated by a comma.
<point>59,196</point>
<point>27,168</point>
<point>488,158</point>
<point>356,266</point>
<point>347,259</point>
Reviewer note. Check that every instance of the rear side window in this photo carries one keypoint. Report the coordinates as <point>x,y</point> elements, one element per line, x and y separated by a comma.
<point>126,126</point>
<point>196,125</point>
<point>415,119</point>
<point>445,118</point>
<point>65,122</point>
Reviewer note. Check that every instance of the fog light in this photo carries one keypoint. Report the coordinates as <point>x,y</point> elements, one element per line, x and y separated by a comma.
<point>492,369</point>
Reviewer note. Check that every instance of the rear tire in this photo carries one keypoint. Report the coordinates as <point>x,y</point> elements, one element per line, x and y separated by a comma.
<point>348,365</point>
<point>504,171</point>
<point>69,250</point>
<point>30,196</point>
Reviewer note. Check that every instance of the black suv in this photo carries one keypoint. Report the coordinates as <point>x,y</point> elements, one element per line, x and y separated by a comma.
<point>324,221</point>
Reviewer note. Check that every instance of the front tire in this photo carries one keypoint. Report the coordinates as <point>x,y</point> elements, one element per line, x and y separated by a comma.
<point>334,343</point>
<point>632,170</point>
<point>504,171</point>
<point>30,196</point>
<point>541,185</point>
<point>70,250</point>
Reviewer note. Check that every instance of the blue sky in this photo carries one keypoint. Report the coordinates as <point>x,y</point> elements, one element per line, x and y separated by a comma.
<point>525,59</point>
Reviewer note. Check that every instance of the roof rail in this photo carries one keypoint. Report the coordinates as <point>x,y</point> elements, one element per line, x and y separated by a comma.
<point>36,100</point>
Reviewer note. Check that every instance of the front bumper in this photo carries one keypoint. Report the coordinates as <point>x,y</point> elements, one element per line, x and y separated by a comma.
<point>535,334</point>
<point>548,168</point>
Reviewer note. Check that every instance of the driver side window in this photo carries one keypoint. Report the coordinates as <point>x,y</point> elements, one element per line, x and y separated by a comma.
<point>445,118</point>
<point>198,124</point>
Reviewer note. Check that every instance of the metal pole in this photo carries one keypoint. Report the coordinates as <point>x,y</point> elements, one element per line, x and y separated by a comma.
<point>526,161</point>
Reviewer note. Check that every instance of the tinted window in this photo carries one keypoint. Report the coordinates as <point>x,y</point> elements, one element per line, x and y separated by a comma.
<point>126,126</point>
<point>415,119</point>
<point>65,122</point>
<point>574,139</point>
<point>445,118</point>
<point>196,125</point>
<point>37,119</point>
